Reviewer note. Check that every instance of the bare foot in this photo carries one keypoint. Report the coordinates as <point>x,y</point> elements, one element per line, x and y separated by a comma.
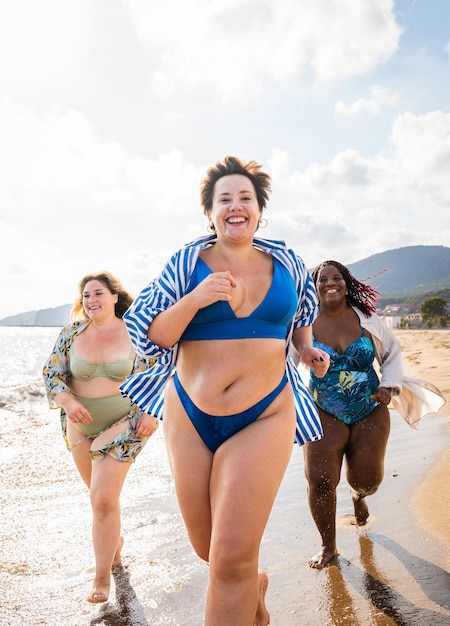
<point>361,510</point>
<point>117,560</point>
<point>99,593</point>
<point>323,558</point>
<point>262,617</point>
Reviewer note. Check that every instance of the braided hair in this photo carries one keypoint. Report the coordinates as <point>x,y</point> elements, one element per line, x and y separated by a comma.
<point>363,297</point>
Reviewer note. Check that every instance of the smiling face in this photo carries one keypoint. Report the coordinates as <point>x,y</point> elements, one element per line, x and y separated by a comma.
<point>235,211</point>
<point>98,301</point>
<point>331,286</point>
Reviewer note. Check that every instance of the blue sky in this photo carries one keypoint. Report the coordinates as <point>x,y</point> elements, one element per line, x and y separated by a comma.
<point>111,110</point>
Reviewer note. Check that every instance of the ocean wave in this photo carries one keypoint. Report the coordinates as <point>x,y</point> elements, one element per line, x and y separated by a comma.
<point>31,391</point>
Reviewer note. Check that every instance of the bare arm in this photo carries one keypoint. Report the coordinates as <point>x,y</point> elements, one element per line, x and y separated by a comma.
<point>74,410</point>
<point>311,357</point>
<point>168,326</point>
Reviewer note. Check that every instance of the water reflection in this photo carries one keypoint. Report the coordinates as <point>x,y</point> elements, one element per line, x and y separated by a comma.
<point>339,605</point>
<point>433,580</point>
<point>381,594</point>
<point>127,611</point>
<point>387,605</point>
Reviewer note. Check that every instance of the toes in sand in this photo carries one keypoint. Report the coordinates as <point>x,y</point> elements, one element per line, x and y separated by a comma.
<point>322,558</point>
<point>100,593</point>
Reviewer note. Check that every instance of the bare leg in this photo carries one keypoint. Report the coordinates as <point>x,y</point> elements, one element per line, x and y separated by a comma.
<point>80,452</point>
<point>225,503</point>
<point>365,459</point>
<point>323,461</point>
<point>108,476</point>
<point>117,560</point>
<point>236,593</point>
<point>104,478</point>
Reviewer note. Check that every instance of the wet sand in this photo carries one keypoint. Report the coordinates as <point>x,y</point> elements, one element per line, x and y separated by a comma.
<point>395,570</point>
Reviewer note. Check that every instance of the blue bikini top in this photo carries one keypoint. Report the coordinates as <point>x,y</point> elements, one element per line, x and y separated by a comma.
<point>85,370</point>
<point>269,320</point>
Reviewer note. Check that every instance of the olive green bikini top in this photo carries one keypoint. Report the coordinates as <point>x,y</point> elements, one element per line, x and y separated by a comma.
<point>85,370</point>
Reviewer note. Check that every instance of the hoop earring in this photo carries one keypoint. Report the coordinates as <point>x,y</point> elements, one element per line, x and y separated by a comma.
<point>263,223</point>
<point>211,228</point>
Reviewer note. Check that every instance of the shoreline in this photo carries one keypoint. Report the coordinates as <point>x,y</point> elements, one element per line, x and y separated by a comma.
<point>394,570</point>
<point>429,359</point>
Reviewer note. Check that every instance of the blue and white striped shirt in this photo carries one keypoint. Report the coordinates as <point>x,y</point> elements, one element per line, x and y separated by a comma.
<point>146,389</point>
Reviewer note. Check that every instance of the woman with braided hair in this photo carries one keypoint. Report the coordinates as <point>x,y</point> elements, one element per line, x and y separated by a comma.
<point>351,400</point>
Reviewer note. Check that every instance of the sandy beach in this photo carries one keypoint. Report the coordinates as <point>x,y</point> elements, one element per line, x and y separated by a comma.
<point>427,353</point>
<point>395,570</point>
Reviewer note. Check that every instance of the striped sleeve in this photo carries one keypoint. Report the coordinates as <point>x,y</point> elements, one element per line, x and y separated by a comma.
<point>158,296</point>
<point>307,308</point>
<point>146,389</point>
<point>309,427</point>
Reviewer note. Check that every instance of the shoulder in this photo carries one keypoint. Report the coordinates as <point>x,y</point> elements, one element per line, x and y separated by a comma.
<point>272,246</point>
<point>364,320</point>
<point>200,242</point>
<point>375,325</point>
<point>281,252</point>
<point>71,330</point>
<point>184,257</point>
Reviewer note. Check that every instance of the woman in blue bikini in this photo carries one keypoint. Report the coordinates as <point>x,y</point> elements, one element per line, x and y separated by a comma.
<point>351,400</point>
<point>220,319</point>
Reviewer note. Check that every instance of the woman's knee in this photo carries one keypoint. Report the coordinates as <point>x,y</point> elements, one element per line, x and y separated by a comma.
<point>365,484</point>
<point>320,480</point>
<point>232,563</point>
<point>103,501</point>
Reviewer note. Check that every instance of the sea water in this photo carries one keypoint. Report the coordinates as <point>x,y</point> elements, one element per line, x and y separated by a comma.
<point>23,351</point>
<point>45,535</point>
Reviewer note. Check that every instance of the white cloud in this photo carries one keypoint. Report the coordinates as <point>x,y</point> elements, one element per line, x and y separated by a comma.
<point>110,112</point>
<point>40,41</point>
<point>354,206</point>
<point>71,203</point>
<point>234,46</point>
<point>128,214</point>
<point>380,98</point>
<point>419,157</point>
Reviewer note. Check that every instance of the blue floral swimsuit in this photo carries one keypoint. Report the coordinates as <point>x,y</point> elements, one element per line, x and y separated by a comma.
<point>345,390</point>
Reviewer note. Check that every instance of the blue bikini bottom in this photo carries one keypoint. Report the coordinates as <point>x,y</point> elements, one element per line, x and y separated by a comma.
<point>215,429</point>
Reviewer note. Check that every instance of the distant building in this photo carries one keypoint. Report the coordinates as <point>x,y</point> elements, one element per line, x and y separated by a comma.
<point>391,321</point>
<point>400,309</point>
<point>414,317</point>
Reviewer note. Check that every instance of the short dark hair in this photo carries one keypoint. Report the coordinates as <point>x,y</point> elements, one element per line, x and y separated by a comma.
<point>232,165</point>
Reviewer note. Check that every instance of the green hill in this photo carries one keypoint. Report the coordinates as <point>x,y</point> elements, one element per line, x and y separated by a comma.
<point>406,272</point>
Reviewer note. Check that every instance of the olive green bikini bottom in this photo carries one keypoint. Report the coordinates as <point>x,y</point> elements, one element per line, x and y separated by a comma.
<point>106,412</point>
